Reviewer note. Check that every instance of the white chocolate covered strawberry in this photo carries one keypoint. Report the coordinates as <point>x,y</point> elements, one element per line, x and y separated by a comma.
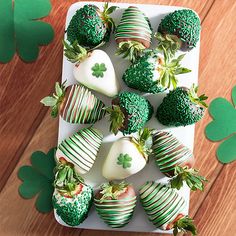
<point>93,69</point>
<point>127,156</point>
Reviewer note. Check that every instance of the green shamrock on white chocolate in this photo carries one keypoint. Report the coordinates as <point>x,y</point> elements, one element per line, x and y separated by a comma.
<point>223,127</point>
<point>124,160</point>
<point>98,70</point>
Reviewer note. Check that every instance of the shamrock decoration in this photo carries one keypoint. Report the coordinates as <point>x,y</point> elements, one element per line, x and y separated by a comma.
<point>223,127</point>
<point>19,30</point>
<point>38,179</point>
<point>124,160</point>
<point>98,70</point>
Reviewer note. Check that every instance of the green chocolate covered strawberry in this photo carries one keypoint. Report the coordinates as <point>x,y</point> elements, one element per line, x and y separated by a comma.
<point>165,208</point>
<point>180,28</point>
<point>115,203</point>
<point>81,149</point>
<point>72,198</point>
<point>176,161</point>
<point>181,107</point>
<point>153,73</point>
<point>90,27</point>
<point>129,112</point>
<point>76,104</point>
<point>133,34</point>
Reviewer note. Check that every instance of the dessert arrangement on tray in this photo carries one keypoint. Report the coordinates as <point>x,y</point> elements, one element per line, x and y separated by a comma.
<point>101,97</point>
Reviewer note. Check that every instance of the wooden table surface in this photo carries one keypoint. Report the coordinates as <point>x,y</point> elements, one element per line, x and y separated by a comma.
<point>26,126</point>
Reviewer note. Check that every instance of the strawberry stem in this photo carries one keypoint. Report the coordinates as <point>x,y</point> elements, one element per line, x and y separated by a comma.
<point>75,52</point>
<point>66,178</point>
<point>170,42</point>
<point>112,190</point>
<point>199,100</point>
<point>188,175</point>
<point>130,50</point>
<point>117,118</point>
<point>184,224</point>
<point>56,99</point>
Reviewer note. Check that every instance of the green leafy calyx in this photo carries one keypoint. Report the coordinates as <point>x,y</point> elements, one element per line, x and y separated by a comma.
<point>169,68</point>
<point>199,100</point>
<point>66,178</point>
<point>56,99</point>
<point>117,118</point>
<point>170,42</point>
<point>124,160</point>
<point>98,70</point>
<point>107,19</point>
<point>75,52</point>
<point>144,142</point>
<point>112,190</point>
<point>184,224</point>
<point>188,175</point>
<point>130,50</point>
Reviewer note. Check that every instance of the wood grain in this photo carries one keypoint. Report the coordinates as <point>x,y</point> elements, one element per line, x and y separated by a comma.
<point>219,208</point>
<point>217,78</point>
<point>26,127</point>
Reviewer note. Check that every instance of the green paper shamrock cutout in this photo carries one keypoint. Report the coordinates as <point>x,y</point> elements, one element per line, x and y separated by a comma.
<point>223,127</point>
<point>98,70</point>
<point>124,160</point>
<point>19,30</point>
<point>38,179</point>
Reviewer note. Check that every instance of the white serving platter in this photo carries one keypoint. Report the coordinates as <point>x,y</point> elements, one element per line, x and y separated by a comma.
<point>139,222</point>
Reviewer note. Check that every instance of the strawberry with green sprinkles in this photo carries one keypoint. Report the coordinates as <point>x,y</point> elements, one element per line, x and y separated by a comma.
<point>165,208</point>
<point>185,25</point>
<point>90,26</point>
<point>81,149</point>
<point>76,104</point>
<point>129,112</point>
<point>175,161</point>
<point>181,107</point>
<point>115,203</point>
<point>72,198</point>
<point>153,72</point>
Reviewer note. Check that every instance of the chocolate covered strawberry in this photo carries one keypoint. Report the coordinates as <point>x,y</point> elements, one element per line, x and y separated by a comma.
<point>115,203</point>
<point>72,198</point>
<point>181,107</point>
<point>154,72</point>
<point>76,104</point>
<point>93,69</point>
<point>180,29</point>
<point>81,149</point>
<point>176,161</point>
<point>129,112</point>
<point>90,26</point>
<point>165,208</point>
<point>127,156</point>
<point>133,34</point>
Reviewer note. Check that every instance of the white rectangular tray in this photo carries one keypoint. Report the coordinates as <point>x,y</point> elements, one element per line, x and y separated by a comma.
<point>139,222</point>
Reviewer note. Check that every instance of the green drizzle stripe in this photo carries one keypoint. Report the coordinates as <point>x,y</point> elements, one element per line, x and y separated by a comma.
<point>82,107</point>
<point>133,24</point>
<point>116,213</point>
<point>168,151</point>
<point>80,151</point>
<point>164,207</point>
